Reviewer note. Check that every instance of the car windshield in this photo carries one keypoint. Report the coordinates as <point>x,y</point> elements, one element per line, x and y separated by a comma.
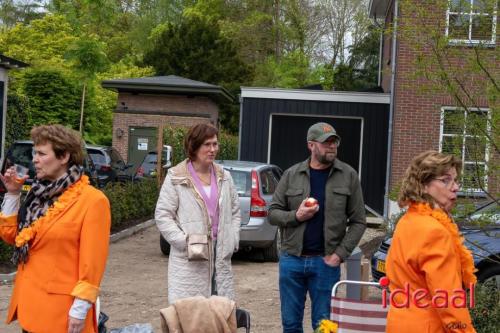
<point>97,157</point>
<point>242,182</point>
<point>150,158</point>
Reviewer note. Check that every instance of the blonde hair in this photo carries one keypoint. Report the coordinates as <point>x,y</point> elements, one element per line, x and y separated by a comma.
<point>423,169</point>
<point>63,140</point>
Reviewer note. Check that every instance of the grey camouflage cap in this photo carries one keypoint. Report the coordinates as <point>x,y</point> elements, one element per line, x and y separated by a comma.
<point>320,132</point>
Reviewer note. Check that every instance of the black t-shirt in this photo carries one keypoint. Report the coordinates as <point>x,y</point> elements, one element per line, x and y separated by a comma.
<point>314,238</point>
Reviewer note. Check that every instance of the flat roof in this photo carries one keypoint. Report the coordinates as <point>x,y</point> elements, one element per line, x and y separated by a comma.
<point>316,95</point>
<point>10,63</point>
<point>170,84</point>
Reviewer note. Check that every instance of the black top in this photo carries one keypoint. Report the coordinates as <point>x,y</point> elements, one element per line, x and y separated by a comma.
<point>314,239</point>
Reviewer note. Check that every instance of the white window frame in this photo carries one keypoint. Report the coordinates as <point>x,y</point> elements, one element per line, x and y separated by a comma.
<point>468,191</point>
<point>491,42</point>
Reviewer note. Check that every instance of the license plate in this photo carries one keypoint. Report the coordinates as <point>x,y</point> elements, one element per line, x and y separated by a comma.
<point>381,266</point>
<point>26,188</point>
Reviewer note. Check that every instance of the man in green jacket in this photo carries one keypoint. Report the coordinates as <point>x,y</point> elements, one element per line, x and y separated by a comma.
<point>319,208</point>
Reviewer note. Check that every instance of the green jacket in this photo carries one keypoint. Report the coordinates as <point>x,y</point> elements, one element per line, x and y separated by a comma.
<point>345,220</point>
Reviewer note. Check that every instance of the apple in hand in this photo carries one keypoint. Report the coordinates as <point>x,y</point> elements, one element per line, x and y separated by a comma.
<point>311,202</point>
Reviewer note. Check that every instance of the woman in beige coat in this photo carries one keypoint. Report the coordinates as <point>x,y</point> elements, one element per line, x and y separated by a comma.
<point>198,213</point>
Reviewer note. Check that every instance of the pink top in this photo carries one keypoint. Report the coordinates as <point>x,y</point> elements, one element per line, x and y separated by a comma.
<point>212,202</point>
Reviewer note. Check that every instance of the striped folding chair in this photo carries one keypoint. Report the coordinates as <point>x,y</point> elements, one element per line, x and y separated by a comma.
<point>354,316</point>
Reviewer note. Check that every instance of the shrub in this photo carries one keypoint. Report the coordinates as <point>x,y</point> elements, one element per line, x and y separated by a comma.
<point>486,313</point>
<point>131,201</point>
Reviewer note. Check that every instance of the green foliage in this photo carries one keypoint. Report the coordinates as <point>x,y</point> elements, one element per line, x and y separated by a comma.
<point>131,201</point>
<point>486,313</point>
<point>290,71</point>
<point>6,253</point>
<point>54,97</point>
<point>361,70</point>
<point>18,119</point>
<point>174,136</point>
<point>43,41</point>
<point>195,49</point>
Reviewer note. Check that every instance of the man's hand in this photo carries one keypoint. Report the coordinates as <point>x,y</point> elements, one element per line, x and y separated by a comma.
<point>304,213</point>
<point>75,325</point>
<point>332,260</point>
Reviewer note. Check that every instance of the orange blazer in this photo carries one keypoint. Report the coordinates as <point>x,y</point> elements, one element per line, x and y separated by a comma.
<point>67,258</point>
<point>423,255</point>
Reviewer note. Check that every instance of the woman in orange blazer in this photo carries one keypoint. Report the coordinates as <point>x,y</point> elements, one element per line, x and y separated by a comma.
<point>427,252</point>
<point>61,237</point>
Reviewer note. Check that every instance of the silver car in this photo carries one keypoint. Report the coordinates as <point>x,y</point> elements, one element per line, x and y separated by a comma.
<point>255,183</point>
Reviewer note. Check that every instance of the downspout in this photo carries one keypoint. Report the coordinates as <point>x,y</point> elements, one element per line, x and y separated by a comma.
<point>380,51</point>
<point>391,110</point>
<point>240,123</point>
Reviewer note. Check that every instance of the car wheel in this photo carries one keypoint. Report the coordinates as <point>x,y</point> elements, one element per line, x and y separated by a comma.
<point>490,275</point>
<point>272,253</point>
<point>164,246</point>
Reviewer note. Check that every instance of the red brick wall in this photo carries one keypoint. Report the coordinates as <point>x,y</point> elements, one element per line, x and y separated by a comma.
<point>416,122</point>
<point>153,110</point>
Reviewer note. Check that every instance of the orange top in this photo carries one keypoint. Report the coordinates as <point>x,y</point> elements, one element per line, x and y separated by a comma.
<point>67,258</point>
<point>423,255</point>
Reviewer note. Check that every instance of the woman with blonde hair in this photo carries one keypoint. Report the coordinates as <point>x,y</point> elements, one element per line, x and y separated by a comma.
<point>61,236</point>
<point>198,213</point>
<point>427,256</point>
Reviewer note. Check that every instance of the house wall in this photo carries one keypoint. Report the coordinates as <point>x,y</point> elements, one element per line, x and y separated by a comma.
<point>141,110</point>
<point>416,122</point>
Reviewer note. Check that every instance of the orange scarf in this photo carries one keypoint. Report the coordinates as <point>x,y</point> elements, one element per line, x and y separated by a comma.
<point>466,260</point>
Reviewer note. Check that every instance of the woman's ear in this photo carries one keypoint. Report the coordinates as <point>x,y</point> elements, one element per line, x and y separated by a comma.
<point>65,158</point>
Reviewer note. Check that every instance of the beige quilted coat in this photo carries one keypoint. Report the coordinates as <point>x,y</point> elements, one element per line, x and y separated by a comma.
<point>180,211</point>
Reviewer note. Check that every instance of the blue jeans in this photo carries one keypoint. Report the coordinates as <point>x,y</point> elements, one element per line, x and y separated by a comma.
<point>299,275</point>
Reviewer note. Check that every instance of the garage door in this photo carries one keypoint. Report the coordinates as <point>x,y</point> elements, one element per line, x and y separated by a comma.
<point>288,143</point>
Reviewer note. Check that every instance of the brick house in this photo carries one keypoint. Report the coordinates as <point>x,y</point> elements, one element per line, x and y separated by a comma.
<point>145,103</point>
<point>421,119</point>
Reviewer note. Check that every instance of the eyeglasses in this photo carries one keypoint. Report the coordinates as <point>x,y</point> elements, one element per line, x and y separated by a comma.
<point>448,182</point>
<point>328,142</point>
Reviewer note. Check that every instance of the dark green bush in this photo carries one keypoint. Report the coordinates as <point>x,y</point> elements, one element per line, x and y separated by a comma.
<point>486,313</point>
<point>131,201</point>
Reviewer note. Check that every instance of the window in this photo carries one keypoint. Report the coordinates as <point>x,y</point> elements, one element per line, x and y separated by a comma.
<point>242,181</point>
<point>268,181</point>
<point>463,134</point>
<point>472,21</point>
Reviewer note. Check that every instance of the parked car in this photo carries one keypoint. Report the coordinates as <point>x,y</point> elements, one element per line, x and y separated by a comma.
<point>483,242</point>
<point>21,152</point>
<point>148,167</point>
<point>109,164</point>
<point>255,184</point>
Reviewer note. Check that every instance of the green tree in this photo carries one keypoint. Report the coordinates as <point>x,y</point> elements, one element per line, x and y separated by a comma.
<point>17,126</point>
<point>196,49</point>
<point>53,97</point>
<point>88,59</point>
<point>361,69</point>
<point>20,11</point>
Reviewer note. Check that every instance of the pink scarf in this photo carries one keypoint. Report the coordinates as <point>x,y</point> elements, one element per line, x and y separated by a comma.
<point>212,203</point>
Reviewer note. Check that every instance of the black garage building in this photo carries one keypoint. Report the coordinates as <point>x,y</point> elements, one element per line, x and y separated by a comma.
<point>274,123</point>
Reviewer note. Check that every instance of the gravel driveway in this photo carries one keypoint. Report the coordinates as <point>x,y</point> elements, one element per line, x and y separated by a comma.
<point>135,287</point>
